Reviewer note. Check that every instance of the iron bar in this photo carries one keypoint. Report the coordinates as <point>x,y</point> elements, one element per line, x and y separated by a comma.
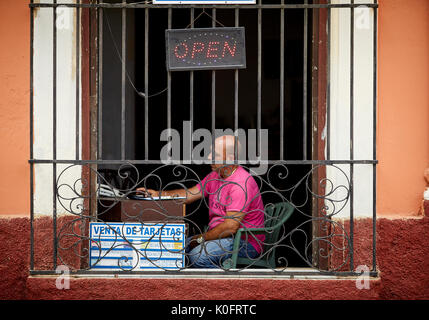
<point>328,87</point>
<point>315,162</point>
<point>169,22</point>
<point>259,89</point>
<point>202,6</point>
<point>191,91</point>
<point>146,84</point>
<point>205,274</point>
<point>236,155</point>
<point>123,79</point>
<point>282,80</point>
<point>54,133</point>
<point>213,95</point>
<point>351,134</point>
<point>100,83</point>
<point>77,141</point>
<point>31,138</point>
<point>374,140</point>
<point>304,86</point>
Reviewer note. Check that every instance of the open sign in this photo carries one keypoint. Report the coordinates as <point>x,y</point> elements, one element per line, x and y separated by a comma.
<point>205,49</point>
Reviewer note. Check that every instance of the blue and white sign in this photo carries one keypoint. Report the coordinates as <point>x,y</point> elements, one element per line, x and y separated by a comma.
<point>219,2</point>
<point>137,246</point>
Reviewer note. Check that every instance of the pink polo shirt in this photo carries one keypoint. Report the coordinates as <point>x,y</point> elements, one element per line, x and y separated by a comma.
<point>240,193</point>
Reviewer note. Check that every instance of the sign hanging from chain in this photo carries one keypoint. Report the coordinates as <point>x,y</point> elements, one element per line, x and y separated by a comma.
<point>205,49</point>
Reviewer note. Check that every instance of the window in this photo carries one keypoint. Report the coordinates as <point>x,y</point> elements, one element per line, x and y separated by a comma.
<point>106,106</point>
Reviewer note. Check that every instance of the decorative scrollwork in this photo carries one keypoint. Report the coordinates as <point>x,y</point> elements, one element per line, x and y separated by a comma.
<point>312,233</point>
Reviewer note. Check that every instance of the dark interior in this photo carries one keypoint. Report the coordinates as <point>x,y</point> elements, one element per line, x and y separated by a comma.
<point>293,95</point>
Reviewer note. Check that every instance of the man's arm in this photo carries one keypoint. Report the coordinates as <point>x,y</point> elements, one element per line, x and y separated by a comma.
<point>227,228</point>
<point>191,194</point>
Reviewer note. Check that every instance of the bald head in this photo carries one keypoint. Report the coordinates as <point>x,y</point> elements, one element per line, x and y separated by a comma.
<point>223,154</point>
<point>225,148</point>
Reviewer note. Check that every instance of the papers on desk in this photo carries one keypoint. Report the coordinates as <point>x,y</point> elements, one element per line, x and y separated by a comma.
<point>137,197</point>
<point>108,191</point>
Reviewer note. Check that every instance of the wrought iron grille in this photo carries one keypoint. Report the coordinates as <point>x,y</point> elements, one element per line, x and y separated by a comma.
<point>322,244</point>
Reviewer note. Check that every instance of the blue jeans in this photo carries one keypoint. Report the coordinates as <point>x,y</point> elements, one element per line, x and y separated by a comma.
<point>212,253</point>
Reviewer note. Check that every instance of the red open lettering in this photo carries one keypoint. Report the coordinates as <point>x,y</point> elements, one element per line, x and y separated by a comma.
<point>178,48</point>
<point>231,51</point>
<point>211,48</point>
<point>195,48</point>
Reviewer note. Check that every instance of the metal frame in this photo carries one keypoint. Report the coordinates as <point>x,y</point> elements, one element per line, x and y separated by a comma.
<point>100,7</point>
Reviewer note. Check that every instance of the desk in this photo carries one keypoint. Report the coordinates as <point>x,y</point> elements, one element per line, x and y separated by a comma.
<point>126,210</point>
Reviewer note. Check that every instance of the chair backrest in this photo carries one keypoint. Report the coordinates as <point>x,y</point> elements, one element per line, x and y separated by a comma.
<point>275,216</point>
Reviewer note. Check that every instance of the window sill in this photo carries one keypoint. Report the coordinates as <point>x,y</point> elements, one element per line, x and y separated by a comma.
<point>281,274</point>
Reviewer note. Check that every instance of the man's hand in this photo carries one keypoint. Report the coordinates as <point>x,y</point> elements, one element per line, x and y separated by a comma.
<point>190,195</point>
<point>227,228</point>
<point>193,243</point>
<point>146,192</point>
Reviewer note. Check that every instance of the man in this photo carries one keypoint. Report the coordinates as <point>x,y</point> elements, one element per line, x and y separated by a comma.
<point>234,202</point>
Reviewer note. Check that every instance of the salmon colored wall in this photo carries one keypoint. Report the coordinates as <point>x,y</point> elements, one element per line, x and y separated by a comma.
<point>403,105</point>
<point>14,107</point>
<point>403,108</point>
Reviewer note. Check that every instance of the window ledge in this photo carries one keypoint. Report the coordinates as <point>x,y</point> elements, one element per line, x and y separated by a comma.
<point>289,273</point>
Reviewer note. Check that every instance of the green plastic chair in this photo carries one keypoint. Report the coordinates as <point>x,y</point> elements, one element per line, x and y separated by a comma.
<point>276,215</point>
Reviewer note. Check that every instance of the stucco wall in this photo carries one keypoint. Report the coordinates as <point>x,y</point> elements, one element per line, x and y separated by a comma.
<point>403,151</point>
<point>14,107</point>
<point>403,105</point>
<point>398,241</point>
